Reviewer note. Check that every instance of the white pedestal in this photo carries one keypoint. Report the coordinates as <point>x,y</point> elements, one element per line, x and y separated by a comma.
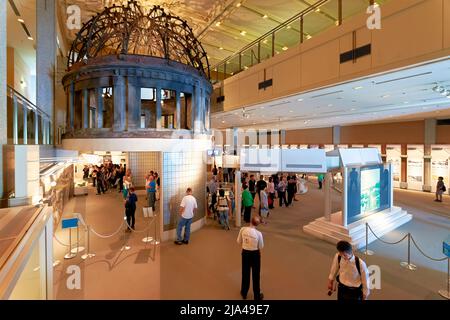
<point>381,223</point>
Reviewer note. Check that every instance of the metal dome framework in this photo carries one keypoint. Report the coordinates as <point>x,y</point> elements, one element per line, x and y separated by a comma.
<point>130,29</point>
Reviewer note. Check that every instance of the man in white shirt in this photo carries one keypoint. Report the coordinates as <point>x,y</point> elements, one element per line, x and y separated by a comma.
<point>188,207</point>
<point>351,274</point>
<point>252,242</point>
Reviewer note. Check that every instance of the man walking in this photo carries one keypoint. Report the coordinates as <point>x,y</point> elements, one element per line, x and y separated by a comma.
<point>252,242</point>
<point>188,207</point>
<point>350,273</point>
<point>247,203</point>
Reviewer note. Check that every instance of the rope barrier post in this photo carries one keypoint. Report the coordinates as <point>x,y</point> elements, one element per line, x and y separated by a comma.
<point>125,247</point>
<point>443,292</point>
<point>88,254</point>
<point>148,239</point>
<point>70,254</point>
<point>155,241</point>
<point>78,249</point>
<point>367,252</point>
<point>408,265</point>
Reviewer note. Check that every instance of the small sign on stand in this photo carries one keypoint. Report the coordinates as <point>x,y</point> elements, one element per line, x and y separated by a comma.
<point>70,224</point>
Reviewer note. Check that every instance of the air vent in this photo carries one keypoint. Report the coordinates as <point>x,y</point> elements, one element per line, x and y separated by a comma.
<point>443,122</point>
<point>403,78</point>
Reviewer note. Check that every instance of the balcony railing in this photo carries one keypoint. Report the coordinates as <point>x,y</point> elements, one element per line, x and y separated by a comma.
<point>27,124</point>
<point>310,22</point>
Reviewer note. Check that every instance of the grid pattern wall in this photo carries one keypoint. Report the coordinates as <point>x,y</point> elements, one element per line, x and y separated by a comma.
<point>180,171</point>
<point>141,163</point>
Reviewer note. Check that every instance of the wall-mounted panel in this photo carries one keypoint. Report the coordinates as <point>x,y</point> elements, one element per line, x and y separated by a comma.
<point>286,76</point>
<point>363,37</point>
<point>446,13</point>
<point>320,64</point>
<point>248,88</point>
<point>310,136</point>
<point>413,32</point>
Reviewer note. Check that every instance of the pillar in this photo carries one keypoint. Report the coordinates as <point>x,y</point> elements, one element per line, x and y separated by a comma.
<point>237,197</point>
<point>336,135</point>
<point>178,110</point>
<point>99,100</point>
<point>430,139</point>
<point>119,103</point>
<point>3,81</point>
<point>25,124</point>
<point>36,128</point>
<point>46,55</point>
<point>158,108</point>
<point>197,109</point>
<point>404,170</point>
<point>208,113</point>
<point>134,105</point>
<point>328,199</point>
<point>85,108</point>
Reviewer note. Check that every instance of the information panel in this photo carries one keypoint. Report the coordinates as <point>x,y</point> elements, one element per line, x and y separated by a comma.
<point>415,168</point>
<point>439,165</point>
<point>393,155</point>
<point>260,160</point>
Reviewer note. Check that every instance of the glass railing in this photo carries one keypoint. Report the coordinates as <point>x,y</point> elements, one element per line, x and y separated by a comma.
<point>27,124</point>
<point>310,22</point>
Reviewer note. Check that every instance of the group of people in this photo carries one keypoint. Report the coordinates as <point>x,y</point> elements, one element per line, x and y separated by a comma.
<point>222,203</point>
<point>108,176</point>
<point>223,174</point>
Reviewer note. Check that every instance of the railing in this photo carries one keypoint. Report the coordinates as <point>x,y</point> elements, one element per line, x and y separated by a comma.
<point>303,26</point>
<point>27,124</point>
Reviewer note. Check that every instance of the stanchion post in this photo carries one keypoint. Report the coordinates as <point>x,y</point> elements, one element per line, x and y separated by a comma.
<point>155,241</point>
<point>88,254</point>
<point>446,293</point>
<point>408,265</point>
<point>70,255</point>
<point>148,239</point>
<point>366,251</point>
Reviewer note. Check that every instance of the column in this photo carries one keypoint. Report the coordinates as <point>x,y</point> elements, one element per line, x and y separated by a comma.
<point>158,108</point>
<point>237,197</point>
<point>46,55</point>
<point>208,114</point>
<point>430,139</point>
<point>3,81</point>
<point>119,104</point>
<point>404,171</point>
<point>328,199</point>
<point>25,124</point>
<point>15,121</point>
<point>336,135</point>
<point>36,128</point>
<point>134,106</point>
<point>196,108</point>
<point>85,108</point>
<point>99,100</point>
<point>178,112</point>
<point>71,92</point>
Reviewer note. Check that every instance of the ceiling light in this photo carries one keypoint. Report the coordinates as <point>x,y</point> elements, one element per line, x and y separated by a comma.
<point>405,102</point>
<point>290,111</point>
<point>386,96</point>
<point>353,109</point>
<point>285,48</point>
<point>220,48</point>
<point>288,27</point>
<point>223,121</point>
<point>330,105</point>
<point>300,100</point>
<point>218,23</point>
<point>238,4</point>
<point>20,20</point>
<point>243,33</point>
<point>265,41</point>
<point>308,36</point>
<point>358,87</point>
<point>318,10</point>
<point>245,67</point>
<point>336,22</point>
<point>265,16</point>
<point>262,107</point>
<point>30,38</point>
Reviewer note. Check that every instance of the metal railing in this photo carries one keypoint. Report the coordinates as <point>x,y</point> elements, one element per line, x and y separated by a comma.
<point>303,26</point>
<point>27,123</point>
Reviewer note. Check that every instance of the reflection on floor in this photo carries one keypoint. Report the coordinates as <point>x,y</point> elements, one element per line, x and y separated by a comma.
<point>294,265</point>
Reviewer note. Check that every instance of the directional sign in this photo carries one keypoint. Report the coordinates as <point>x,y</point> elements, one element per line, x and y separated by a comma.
<point>70,223</point>
<point>446,247</point>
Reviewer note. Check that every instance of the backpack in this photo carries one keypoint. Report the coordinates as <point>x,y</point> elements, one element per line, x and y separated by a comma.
<point>444,188</point>
<point>358,267</point>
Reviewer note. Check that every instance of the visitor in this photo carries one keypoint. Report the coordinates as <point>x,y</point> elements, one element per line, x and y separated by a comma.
<point>271,192</point>
<point>320,178</point>
<point>252,186</point>
<point>151,192</point>
<point>440,189</point>
<point>351,274</point>
<point>251,241</point>
<point>282,191</point>
<point>247,203</point>
<point>291,186</point>
<point>264,205</point>
<point>188,207</point>
<point>213,186</point>
<point>130,209</point>
<point>223,207</point>
<point>127,183</point>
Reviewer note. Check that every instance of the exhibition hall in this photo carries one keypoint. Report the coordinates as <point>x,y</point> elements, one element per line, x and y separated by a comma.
<point>235,151</point>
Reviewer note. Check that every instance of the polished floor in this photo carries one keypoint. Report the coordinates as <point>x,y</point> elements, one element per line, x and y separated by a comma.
<point>294,265</point>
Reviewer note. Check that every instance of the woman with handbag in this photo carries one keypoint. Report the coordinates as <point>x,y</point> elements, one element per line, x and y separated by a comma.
<point>440,189</point>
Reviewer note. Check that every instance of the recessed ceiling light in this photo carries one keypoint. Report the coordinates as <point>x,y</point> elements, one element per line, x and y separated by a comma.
<point>288,27</point>
<point>386,96</point>
<point>30,38</point>
<point>238,4</point>
<point>300,100</point>
<point>285,48</point>
<point>318,10</point>
<point>223,121</point>
<point>243,33</point>
<point>218,24</point>
<point>220,48</point>
<point>265,16</point>
<point>20,20</point>
<point>358,87</point>
<point>290,111</point>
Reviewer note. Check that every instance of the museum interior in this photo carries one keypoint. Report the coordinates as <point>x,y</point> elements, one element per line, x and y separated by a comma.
<point>116,115</point>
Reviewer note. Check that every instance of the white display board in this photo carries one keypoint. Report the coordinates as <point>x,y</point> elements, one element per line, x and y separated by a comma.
<point>358,156</point>
<point>393,155</point>
<point>260,160</point>
<point>440,156</point>
<point>329,147</point>
<point>376,146</point>
<point>304,161</point>
<point>415,167</point>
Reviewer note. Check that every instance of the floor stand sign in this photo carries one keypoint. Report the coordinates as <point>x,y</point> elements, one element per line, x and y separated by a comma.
<point>70,224</point>
<point>446,250</point>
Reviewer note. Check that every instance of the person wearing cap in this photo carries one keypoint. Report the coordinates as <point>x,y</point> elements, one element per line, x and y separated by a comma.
<point>251,241</point>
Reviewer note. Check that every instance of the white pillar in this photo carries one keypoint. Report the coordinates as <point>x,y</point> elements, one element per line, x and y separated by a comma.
<point>237,198</point>
<point>327,184</point>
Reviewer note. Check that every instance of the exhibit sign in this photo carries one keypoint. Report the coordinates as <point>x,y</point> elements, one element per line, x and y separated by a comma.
<point>261,160</point>
<point>368,191</point>
<point>439,165</point>
<point>415,168</point>
<point>446,247</point>
<point>329,147</point>
<point>357,146</point>
<point>376,146</point>
<point>393,155</point>
<point>304,161</point>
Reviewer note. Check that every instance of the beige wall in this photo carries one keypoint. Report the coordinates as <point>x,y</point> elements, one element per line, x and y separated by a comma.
<point>413,31</point>
<point>443,135</point>
<point>20,76</point>
<point>310,136</point>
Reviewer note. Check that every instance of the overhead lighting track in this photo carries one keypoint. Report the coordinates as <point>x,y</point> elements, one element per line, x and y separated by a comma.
<point>403,78</point>
<point>327,94</point>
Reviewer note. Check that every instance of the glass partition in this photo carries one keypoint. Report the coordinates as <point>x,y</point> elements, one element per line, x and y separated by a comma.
<point>148,108</point>
<point>168,108</point>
